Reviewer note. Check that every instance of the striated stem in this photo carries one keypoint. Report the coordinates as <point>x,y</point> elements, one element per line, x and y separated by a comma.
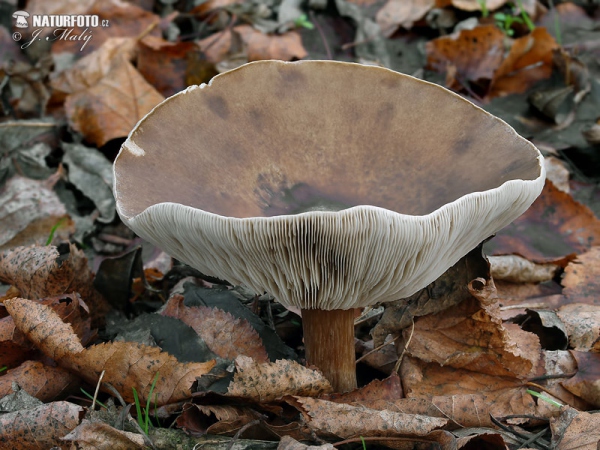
<point>329,343</point>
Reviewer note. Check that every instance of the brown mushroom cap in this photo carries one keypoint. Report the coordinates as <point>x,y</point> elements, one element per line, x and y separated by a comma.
<point>330,185</point>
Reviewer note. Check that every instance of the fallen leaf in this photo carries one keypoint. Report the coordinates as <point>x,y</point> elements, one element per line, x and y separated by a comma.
<point>40,272</point>
<point>113,106</point>
<point>286,47</point>
<point>46,383</point>
<point>91,173</point>
<point>557,173</point>
<point>26,204</point>
<point>214,419</point>
<point>225,335</point>
<point>517,269</point>
<point>90,69</point>
<point>586,382</point>
<point>528,61</point>
<point>581,278</point>
<point>468,55</point>
<point>387,390</point>
<point>582,322</point>
<point>347,421</point>
<point>264,382</point>
<point>289,443</point>
<point>101,435</point>
<point>41,427</point>
<point>553,227</point>
<point>575,430</point>
<point>474,338</point>
<point>164,64</point>
<point>125,19</point>
<point>216,46</point>
<point>401,13</point>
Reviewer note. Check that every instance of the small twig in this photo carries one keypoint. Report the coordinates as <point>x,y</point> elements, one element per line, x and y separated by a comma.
<point>239,433</point>
<point>97,390</point>
<point>313,18</point>
<point>543,444</point>
<point>553,377</point>
<point>533,438</point>
<point>412,330</point>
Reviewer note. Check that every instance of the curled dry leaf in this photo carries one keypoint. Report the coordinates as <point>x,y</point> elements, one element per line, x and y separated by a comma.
<point>528,61</point>
<point>401,13</point>
<point>468,55</point>
<point>101,435</point>
<point>517,269</point>
<point>225,335</point>
<point>112,107</point>
<point>553,227</point>
<point>557,172</point>
<point>346,421</point>
<point>214,419</point>
<point>582,322</point>
<point>264,382</point>
<point>39,272</point>
<point>286,47</point>
<point>216,46</point>
<point>43,382</point>
<point>40,427</point>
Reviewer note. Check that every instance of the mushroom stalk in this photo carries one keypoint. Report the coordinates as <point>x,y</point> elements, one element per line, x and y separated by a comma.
<point>329,344</point>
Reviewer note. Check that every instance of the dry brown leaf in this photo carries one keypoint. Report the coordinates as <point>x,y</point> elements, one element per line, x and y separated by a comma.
<point>388,390</point>
<point>128,364</point>
<point>164,64</point>
<point>44,7</point>
<point>401,13</point>
<point>576,430</point>
<point>90,69</point>
<point>468,55</point>
<point>45,383</point>
<point>225,335</point>
<point>582,322</point>
<point>28,203</point>
<point>216,46</point>
<point>39,272</point>
<point>475,5</point>
<point>529,61</point>
<point>124,19</point>
<point>112,107</point>
<point>582,278</point>
<point>586,382</point>
<point>39,428</point>
<point>96,435</point>
<point>44,328</point>
<point>347,421</point>
<point>214,419</point>
<point>464,396</point>
<point>289,443</point>
<point>558,173</point>
<point>264,382</point>
<point>474,338</point>
<point>14,346</point>
<point>517,269</point>
<point>286,47</point>
<point>553,227</point>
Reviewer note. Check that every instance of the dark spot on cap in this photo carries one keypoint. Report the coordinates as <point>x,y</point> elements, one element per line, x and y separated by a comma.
<point>218,105</point>
<point>291,76</point>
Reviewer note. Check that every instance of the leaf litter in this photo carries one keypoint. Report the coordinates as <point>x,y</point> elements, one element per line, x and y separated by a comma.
<point>469,348</point>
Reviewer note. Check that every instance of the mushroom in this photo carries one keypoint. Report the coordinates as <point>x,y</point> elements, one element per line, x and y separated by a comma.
<point>330,185</point>
<point>21,17</point>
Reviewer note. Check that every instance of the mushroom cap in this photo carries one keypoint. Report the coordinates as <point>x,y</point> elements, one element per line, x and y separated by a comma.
<point>21,14</point>
<point>330,185</point>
